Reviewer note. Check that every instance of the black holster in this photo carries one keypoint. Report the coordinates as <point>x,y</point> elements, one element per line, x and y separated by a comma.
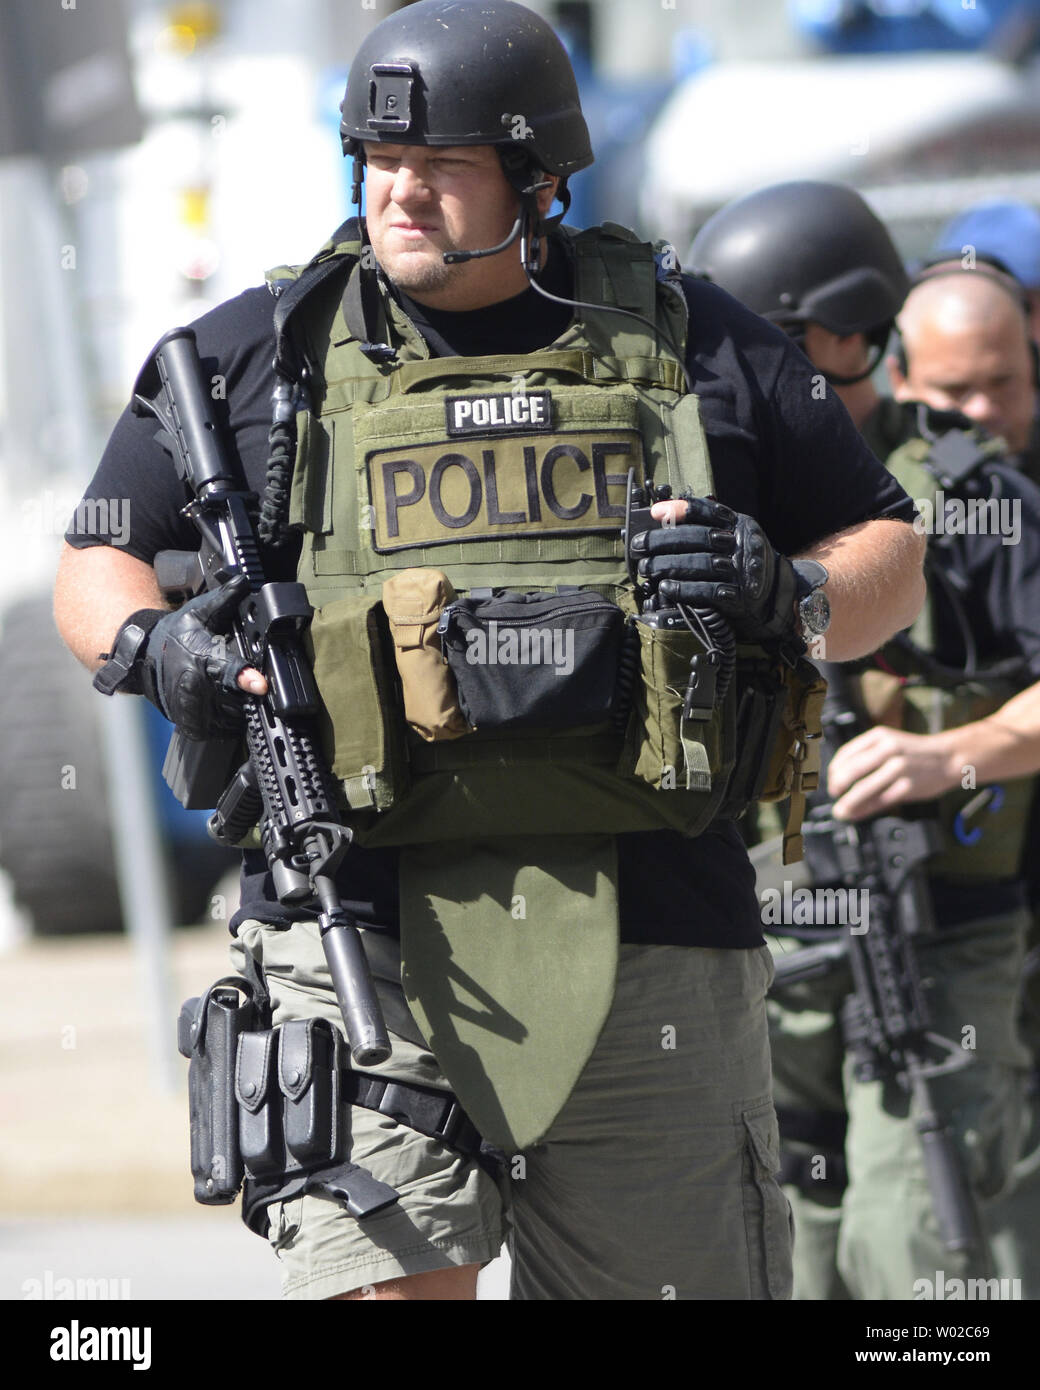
<point>208,1033</point>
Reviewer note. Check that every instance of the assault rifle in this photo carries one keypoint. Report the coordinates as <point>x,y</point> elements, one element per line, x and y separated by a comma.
<point>886,1020</point>
<point>286,784</point>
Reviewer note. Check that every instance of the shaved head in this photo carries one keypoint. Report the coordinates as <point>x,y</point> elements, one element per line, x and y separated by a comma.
<point>966,339</point>
<point>959,303</point>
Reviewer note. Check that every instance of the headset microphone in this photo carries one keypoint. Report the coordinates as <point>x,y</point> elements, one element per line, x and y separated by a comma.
<point>457,257</point>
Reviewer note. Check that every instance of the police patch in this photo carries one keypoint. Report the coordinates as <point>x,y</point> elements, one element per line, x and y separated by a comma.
<point>499,411</point>
<point>433,494</point>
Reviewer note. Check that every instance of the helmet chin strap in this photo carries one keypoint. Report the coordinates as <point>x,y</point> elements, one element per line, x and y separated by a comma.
<point>836,380</point>
<point>877,339</point>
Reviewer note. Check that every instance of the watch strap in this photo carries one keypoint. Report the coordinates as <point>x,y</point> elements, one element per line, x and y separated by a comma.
<point>809,575</point>
<point>122,670</point>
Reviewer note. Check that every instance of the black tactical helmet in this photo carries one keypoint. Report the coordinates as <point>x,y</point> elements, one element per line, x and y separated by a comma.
<point>806,250</point>
<point>467,72</point>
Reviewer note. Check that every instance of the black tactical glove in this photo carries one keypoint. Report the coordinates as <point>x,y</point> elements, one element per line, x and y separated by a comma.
<point>718,558</point>
<point>183,662</point>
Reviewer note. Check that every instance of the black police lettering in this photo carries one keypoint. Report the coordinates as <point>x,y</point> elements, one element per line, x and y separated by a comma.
<point>496,516</point>
<point>604,480</point>
<point>549,488</point>
<point>534,499</point>
<point>721,559</point>
<point>190,671</point>
<point>395,499</point>
<point>432,495</point>
<point>436,480</point>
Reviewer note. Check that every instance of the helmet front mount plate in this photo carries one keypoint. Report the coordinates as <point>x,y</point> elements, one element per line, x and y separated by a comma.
<point>390,90</point>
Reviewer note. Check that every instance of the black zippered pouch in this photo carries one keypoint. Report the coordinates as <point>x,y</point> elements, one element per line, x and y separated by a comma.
<point>534,661</point>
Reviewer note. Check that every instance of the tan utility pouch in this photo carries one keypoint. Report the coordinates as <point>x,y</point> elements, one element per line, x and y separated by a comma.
<point>794,768</point>
<point>413,601</point>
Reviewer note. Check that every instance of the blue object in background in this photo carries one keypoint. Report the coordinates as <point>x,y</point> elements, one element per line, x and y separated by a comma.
<point>901,26</point>
<point>994,799</point>
<point>1007,230</point>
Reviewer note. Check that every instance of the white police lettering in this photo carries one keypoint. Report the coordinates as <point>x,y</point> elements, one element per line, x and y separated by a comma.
<point>531,410</point>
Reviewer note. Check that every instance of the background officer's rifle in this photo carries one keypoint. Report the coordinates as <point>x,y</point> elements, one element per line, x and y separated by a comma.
<point>885,1021</point>
<point>286,784</point>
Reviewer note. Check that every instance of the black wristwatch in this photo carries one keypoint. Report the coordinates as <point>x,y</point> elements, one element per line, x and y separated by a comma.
<point>814,609</point>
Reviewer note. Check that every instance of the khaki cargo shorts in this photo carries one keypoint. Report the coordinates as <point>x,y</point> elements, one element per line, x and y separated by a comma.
<point>656,1180</point>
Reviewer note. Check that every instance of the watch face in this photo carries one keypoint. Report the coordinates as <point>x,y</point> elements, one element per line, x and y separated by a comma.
<point>815,613</point>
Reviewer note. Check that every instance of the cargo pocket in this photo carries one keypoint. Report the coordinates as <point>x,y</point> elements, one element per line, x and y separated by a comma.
<point>767,1213</point>
<point>668,746</point>
<point>362,723</point>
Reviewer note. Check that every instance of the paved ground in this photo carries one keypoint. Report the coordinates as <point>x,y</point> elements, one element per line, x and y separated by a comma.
<point>209,1256</point>
<point>94,1177</point>
<point>87,1130</point>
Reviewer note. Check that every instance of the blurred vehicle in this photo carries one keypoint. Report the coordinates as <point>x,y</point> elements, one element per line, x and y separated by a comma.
<point>899,26</point>
<point>56,841</point>
<point>921,136</point>
<point>69,115</point>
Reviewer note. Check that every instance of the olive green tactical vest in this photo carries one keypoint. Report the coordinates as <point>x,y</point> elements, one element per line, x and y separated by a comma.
<point>501,472</point>
<point>988,841</point>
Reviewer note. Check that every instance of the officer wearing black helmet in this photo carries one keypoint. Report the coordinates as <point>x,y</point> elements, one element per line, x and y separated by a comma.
<point>558,910</point>
<point>813,258</point>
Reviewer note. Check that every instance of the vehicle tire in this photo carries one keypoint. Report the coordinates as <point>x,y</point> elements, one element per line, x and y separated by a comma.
<point>55,838</point>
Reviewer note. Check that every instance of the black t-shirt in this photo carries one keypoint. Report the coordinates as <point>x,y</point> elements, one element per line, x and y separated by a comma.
<point>783,450</point>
